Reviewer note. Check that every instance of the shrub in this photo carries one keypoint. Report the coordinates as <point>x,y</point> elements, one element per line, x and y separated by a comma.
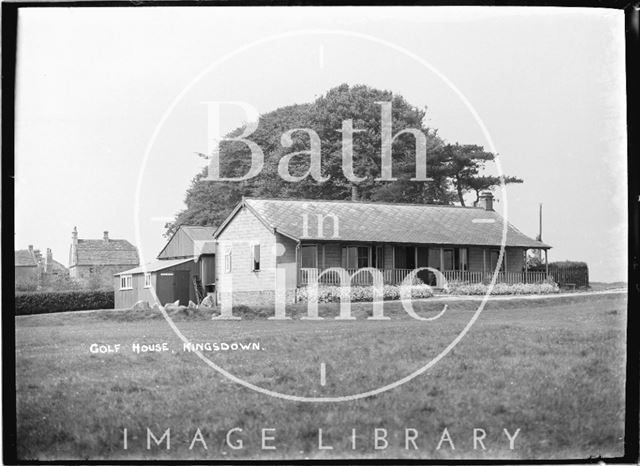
<point>331,294</point>
<point>504,288</point>
<point>60,301</point>
<point>27,284</point>
<point>61,282</point>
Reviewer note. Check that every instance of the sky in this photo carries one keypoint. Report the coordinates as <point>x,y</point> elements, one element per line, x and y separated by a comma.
<point>111,107</point>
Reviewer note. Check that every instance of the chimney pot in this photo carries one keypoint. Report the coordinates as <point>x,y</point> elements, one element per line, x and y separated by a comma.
<point>31,248</point>
<point>486,200</point>
<point>106,236</point>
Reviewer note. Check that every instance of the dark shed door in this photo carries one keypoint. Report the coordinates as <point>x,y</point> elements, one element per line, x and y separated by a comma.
<point>181,286</point>
<point>164,287</point>
<point>172,286</point>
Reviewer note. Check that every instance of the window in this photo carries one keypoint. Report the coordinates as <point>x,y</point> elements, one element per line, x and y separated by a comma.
<point>227,261</point>
<point>423,256</point>
<point>363,257</point>
<point>455,259</point>
<point>495,254</point>
<point>126,282</point>
<point>355,257</point>
<point>399,257</point>
<point>462,259</point>
<point>404,257</point>
<point>147,280</point>
<point>349,257</point>
<point>449,259</point>
<point>309,256</point>
<point>255,257</point>
<point>377,257</point>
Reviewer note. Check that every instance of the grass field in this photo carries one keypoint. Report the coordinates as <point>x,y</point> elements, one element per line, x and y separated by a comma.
<point>552,368</point>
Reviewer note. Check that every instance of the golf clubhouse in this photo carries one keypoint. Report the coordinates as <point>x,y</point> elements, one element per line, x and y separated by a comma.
<point>183,271</point>
<point>297,242</point>
<point>282,244</point>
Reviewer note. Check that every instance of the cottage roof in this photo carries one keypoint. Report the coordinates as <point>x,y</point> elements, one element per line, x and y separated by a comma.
<point>106,252</point>
<point>392,223</point>
<point>57,266</point>
<point>154,266</point>
<point>24,258</point>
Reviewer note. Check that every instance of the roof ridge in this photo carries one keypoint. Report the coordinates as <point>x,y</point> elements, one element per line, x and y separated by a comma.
<point>349,201</point>
<point>197,226</point>
<point>102,239</point>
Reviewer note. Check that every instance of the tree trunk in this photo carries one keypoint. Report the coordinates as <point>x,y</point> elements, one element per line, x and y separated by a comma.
<point>354,192</point>
<point>475,203</point>
<point>459,188</point>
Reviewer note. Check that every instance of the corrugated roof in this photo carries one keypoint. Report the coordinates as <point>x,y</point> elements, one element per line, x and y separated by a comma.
<point>203,236</point>
<point>24,258</point>
<point>201,241</point>
<point>392,223</point>
<point>154,266</point>
<point>199,232</point>
<point>101,252</point>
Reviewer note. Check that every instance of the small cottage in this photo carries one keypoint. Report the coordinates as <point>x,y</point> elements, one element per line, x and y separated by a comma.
<point>99,259</point>
<point>183,271</point>
<point>26,266</point>
<point>33,271</point>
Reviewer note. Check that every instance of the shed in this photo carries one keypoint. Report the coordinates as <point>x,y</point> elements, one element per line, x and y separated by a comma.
<point>171,280</point>
<point>195,242</point>
<point>183,271</point>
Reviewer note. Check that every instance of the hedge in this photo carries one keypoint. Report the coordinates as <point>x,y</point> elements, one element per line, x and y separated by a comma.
<point>61,301</point>
<point>566,273</point>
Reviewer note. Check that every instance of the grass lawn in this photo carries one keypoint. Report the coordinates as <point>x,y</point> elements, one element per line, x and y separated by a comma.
<point>552,368</point>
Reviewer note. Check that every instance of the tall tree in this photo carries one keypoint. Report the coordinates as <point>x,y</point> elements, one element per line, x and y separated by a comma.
<point>454,170</point>
<point>208,202</point>
<point>464,165</point>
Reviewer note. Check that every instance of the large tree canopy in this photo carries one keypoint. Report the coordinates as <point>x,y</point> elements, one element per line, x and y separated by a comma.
<point>453,170</point>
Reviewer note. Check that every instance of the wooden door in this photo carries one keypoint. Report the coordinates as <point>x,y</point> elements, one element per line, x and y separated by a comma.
<point>181,286</point>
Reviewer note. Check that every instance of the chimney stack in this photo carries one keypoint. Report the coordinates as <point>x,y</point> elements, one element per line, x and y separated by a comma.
<point>38,256</point>
<point>486,200</point>
<point>74,235</point>
<point>31,248</point>
<point>48,261</point>
<point>105,236</point>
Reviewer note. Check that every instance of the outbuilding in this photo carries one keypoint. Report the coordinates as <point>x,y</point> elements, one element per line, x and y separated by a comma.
<point>183,271</point>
